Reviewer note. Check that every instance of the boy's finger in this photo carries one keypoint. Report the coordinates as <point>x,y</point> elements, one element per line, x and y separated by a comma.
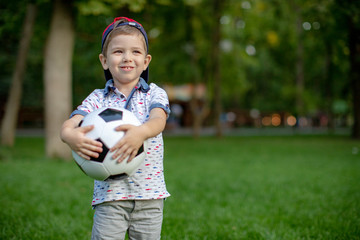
<point>124,127</point>
<point>131,157</point>
<point>96,143</point>
<point>117,146</point>
<point>87,154</point>
<point>120,157</point>
<point>97,147</point>
<point>83,155</point>
<point>87,129</point>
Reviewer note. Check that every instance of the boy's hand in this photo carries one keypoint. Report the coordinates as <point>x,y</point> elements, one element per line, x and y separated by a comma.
<point>75,137</point>
<point>136,135</point>
<point>85,147</point>
<point>129,145</point>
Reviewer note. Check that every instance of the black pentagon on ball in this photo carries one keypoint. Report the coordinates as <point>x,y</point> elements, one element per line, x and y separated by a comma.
<point>141,150</point>
<point>111,115</point>
<point>102,155</point>
<point>120,176</point>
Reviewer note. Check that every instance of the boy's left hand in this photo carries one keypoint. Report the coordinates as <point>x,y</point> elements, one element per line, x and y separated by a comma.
<point>135,136</point>
<point>129,145</point>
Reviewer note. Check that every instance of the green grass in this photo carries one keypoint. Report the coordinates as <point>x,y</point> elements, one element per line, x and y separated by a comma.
<point>294,187</point>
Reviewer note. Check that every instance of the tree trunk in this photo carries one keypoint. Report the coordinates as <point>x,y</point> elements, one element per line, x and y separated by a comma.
<point>299,65</point>
<point>354,45</point>
<point>215,67</point>
<point>198,104</point>
<point>199,109</point>
<point>8,126</point>
<point>329,92</point>
<point>58,77</point>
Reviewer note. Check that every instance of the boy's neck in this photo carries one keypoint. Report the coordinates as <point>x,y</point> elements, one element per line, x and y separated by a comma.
<point>125,88</point>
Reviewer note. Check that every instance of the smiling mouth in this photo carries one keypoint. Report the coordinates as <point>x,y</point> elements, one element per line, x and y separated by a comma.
<point>127,68</point>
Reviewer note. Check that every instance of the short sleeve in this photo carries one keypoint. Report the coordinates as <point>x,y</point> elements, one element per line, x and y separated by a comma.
<point>159,99</point>
<point>91,102</point>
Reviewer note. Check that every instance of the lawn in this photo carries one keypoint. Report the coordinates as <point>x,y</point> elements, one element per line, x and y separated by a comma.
<point>292,187</point>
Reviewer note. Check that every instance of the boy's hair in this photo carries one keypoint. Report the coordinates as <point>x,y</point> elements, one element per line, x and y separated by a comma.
<point>126,26</point>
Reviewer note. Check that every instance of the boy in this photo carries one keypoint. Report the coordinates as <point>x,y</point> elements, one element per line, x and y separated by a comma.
<point>135,204</point>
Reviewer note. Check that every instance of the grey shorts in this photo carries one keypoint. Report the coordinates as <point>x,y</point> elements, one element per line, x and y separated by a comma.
<point>141,219</point>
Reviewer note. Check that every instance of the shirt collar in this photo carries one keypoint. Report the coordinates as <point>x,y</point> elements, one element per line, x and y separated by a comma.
<point>142,86</point>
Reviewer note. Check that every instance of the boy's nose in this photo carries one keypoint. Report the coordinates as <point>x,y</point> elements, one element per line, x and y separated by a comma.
<point>126,57</point>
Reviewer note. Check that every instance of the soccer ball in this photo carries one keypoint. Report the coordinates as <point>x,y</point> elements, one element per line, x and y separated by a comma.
<point>104,167</point>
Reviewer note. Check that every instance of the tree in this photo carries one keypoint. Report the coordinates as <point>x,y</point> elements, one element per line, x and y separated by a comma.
<point>199,106</point>
<point>58,77</point>
<point>299,65</point>
<point>354,46</point>
<point>8,126</point>
<point>257,55</point>
<point>347,18</point>
<point>215,64</point>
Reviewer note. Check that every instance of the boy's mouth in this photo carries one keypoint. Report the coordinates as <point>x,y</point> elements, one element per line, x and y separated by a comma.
<point>127,68</point>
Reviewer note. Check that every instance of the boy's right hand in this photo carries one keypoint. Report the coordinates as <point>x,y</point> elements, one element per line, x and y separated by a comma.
<point>85,147</point>
<point>77,140</point>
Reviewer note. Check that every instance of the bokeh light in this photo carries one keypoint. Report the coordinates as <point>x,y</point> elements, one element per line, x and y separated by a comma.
<point>246,5</point>
<point>266,121</point>
<point>250,50</point>
<point>316,25</point>
<point>276,120</point>
<point>291,121</point>
<point>306,26</point>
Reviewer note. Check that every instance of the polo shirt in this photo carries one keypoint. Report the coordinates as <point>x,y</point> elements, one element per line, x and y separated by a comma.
<point>148,182</point>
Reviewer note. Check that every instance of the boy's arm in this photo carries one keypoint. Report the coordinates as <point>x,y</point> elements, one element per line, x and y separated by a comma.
<point>74,136</point>
<point>136,135</point>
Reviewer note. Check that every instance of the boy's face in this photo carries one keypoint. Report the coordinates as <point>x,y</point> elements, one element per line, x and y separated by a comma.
<point>126,58</point>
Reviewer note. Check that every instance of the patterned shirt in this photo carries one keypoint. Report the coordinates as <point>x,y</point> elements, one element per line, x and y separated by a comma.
<point>148,181</point>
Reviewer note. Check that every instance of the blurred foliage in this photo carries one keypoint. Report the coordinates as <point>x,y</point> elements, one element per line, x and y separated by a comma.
<point>257,59</point>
